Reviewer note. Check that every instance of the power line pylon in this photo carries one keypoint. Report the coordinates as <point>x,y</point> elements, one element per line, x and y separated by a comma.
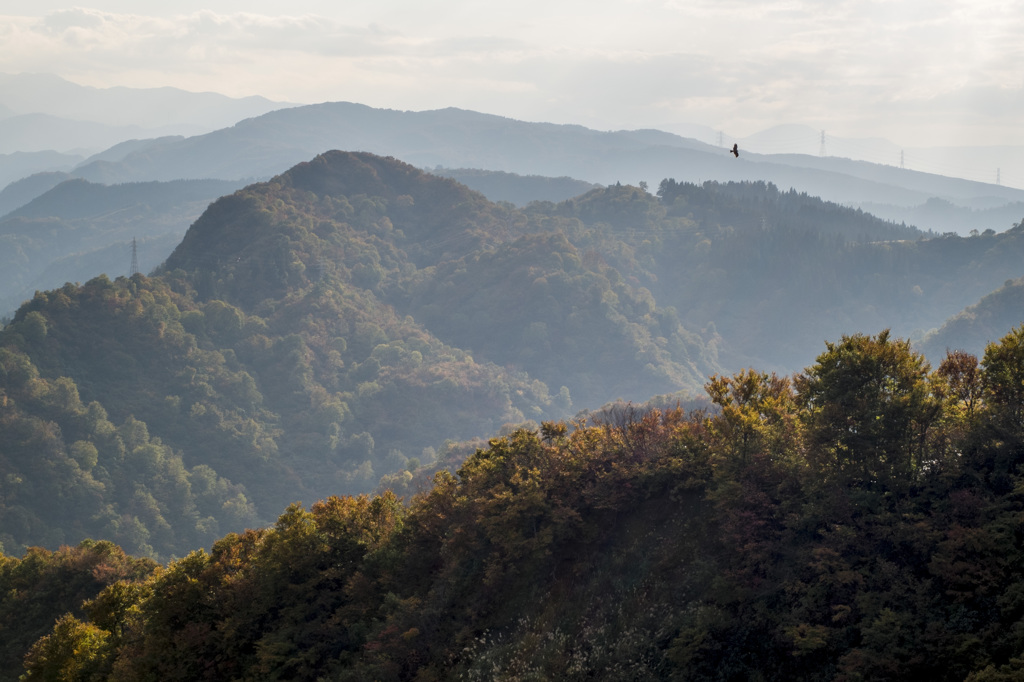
<point>135,260</point>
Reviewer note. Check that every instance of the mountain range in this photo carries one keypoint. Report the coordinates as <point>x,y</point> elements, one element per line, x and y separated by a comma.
<point>584,289</point>
<point>272,139</point>
<point>265,145</point>
<point>654,409</point>
<point>505,159</point>
<point>343,321</point>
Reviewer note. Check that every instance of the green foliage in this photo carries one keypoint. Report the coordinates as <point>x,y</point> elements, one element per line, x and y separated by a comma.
<point>323,330</point>
<point>869,405</point>
<point>1004,379</point>
<point>644,544</point>
<point>38,588</point>
<point>70,473</point>
<point>73,651</point>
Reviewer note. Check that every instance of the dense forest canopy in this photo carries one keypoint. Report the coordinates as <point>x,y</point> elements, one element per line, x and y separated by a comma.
<point>858,521</point>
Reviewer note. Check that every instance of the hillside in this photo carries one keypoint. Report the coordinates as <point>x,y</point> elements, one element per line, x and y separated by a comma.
<point>977,325</point>
<point>76,230</point>
<point>792,535</point>
<point>22,191</point>
<point>83,229</point>
<point>771,274</point>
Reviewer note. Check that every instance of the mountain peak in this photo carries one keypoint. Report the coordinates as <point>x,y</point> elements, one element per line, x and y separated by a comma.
<point>263,240</point>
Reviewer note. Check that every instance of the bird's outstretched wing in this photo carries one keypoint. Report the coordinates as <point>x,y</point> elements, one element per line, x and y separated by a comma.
<point>735,150</point>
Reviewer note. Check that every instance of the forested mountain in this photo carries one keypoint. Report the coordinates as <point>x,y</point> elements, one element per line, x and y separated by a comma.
<point>76,230</point>
<point>346,319</point>
<point>771,274</point>
<point>83,229</point>
<point>860,521</point>
<point>273,357</point>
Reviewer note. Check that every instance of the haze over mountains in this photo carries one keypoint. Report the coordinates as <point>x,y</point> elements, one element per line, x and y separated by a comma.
<point>44,112</point>
<point>362,320</point>
<point>267,145</point>
<point>341,326</point>
<point>50,124</point>
<point>75,229</point>
<point>319,331</point>
<point>508,160</point>
<point>263,146</point>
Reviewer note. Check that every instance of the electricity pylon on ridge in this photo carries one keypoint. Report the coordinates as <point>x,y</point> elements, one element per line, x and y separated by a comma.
<point>135,260</point>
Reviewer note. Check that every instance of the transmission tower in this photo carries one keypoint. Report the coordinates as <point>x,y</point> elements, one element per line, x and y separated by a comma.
<point>135,259</point>
<point>821,149</point>
<point>901,159</point>
<point>997,177</point>
<point>719,138</point>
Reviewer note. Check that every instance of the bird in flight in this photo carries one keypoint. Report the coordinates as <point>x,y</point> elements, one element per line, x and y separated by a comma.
<point>735,151</point>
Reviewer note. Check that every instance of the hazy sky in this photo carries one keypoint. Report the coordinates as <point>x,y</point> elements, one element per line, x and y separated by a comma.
<point>925,73</point>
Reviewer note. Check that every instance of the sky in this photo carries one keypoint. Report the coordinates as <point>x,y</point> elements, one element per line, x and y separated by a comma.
<point>919,73</point>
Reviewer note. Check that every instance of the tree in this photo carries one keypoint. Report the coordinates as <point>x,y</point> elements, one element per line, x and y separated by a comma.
<point>73,651</point>
<point>758,413</point>
<point>960,371</point>
<point>1003,366</point>
<point>869,405</point>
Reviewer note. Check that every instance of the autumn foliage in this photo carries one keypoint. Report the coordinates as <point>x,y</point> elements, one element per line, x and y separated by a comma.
<point>859,521</point>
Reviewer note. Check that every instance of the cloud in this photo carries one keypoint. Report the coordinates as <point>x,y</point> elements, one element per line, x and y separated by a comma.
<point>864,67</point>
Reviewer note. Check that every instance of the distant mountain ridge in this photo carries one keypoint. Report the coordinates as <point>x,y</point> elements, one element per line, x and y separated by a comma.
<point>43,112</point>
<point>122,106</point>
<point>21,192</point>
<point>454,138</point>
<point>253,138</point>
<point>20,165</point>
<point>37,132</point>
<point>980,163</point>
